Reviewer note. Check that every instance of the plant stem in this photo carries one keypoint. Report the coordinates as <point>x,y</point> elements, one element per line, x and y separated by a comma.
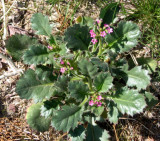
<point>83,102</point>
<point>94,48</point>
<point>90,83</point>
<point>100,48</point>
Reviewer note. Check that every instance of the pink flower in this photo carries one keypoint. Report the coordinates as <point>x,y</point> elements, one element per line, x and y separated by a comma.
<point>99,104</point>
<point>91,103</point>
<point>98,21</point>
<point>96,102</point>
<point>49,47</point>
<point>91,31</point>
<point>99,97</point>
<point>106,25</point>
<point>71,68</point>
<point>94,41</point>
<point>103,34</point>
<point>62,62</point>
<point>110,30</point>
<point>68,63</point>
<point>63,70</point>
<point>93,35</point>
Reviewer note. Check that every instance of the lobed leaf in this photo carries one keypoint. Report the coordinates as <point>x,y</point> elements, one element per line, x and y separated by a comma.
<point>18,44</point>
<point>30,86</point>
<point>78,134</point>
<point>137,77</point>
<point>109,12</point>
<point>37,54</point>
<point>151,100</point>
<point>35,120</point>
<point>67,118</point>
<point>124,37</point>
<point>78,90</point>
<point>113,113</point>
<point>102,66</point>
<point>95,133</point>
<point>129,101</point>
<point>87,68</point>
<point>40,24</point>
<point>77,37</point>
<point>62,83</point>
<point>103,82</point>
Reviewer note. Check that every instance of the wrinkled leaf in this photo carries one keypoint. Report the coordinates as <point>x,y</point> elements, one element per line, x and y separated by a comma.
<point>35,120</point>
<point>103,82</point>
<point>78,90</point>
<point>30,86</point>
<point>18,44</point>
<point>129,101</point>
<point>86,21</point>
<point>37,55</point>
<point>67,118</point>
<point>109,13</point>
<point>151,100</point>
<point>137,77</point>
<point>78,134</point>
<point>102,66</point>
<point>124,37</point>
<point>87,68</point>
<point>40,24</point>
<point>62,83</point>
<point>95,133</point>
<point>97,110</point>
<point>77,37</point>
<point>113,113</point>
<point>148,63</point>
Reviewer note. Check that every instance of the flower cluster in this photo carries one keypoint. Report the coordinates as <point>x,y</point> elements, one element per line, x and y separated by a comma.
<point>102,31</point>
<point>66,66</point>
<point>96,101</point>
<point>50,47</point>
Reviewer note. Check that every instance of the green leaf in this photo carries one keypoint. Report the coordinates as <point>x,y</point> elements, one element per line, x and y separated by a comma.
<point>50,108</point>
<point>35,120</point>
<point>18,44</point>
<point>137,77</point>
<point>95,133</point>
<point>113,113</point>
<point>78,90</point>
<point>87,21</point>
<point>148,63</point>
<point>78,134</point>
<point>67,118</point>
<point>124,37</point>
<point>45,73</point>
<point>151,100</point>
<point>77,37</point>
<point>37,55</point>
<point>97,110</point>
<point>109,13</point>
<point>30,86</point>
<point>62,83</point>
<point>40,23</point>
<point>87,68</point>
<point>129,101</point>
<point>102,66</point>
<point>103,82</point>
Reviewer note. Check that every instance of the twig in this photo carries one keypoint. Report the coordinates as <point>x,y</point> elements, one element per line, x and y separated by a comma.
<point>117,139</point>
<point>140,123</point>
<point>4,22</point>
<point>134,59</point>
<point>12,66</point>
<point>8,9</point>
<point>61,136</point>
